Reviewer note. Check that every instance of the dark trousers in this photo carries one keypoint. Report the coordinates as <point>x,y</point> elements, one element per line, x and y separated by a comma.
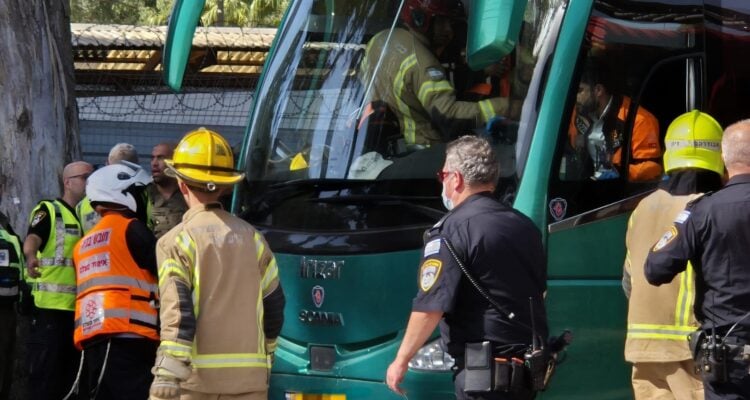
<point>738,386</point>
<point>459,379</point>
<point>52,360</point>
<point>7,347</point>
<point>127,368</point>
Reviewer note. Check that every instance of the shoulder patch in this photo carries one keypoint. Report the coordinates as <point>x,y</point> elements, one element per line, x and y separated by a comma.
<point>433,247</point>
<point>436,74</point>
<point>38,217</point>
<point>682,217</point>
<point>429,273</point>
<point>666,239</point>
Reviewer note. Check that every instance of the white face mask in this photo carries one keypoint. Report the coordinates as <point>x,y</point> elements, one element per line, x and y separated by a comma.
<point>447,203</point>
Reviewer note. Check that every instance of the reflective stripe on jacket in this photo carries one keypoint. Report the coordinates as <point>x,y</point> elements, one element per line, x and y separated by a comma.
<point>214,270</point>
<point>414,84</point>
<point>56,287</point>
<point>115,295</point>
<point>659,318</point>
<point>11,264</point>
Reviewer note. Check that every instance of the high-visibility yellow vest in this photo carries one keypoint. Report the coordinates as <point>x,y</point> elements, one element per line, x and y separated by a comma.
<point>11,263</point>
<point>56,287</point>
<point>88,216</point>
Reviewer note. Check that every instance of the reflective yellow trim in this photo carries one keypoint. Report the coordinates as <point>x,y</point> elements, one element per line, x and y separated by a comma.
<point>187,245</point>
<point>271,346</point>
<point>485,106</point>
<point>260,247</point>
<point>657,327</point>
<point>259,323</point>
<point>410,127</point>
<point>175,349</point>
<point>236,360</point>
<point>196,289</point>
<point>272,272</point>
<point>170,266</point>
<point>430,87</point>
<point>658,336</point>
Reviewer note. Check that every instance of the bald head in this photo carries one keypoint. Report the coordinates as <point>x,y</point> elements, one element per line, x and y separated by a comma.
<point>75,175</point>
<point>122,151</point>
<point>735,148</point>
<point>76,168</point>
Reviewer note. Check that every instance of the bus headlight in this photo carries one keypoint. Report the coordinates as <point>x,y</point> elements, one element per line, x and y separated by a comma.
<point>432,358</point>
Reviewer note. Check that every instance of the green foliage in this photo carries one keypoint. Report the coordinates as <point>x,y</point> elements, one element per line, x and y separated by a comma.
<point>245,13</point>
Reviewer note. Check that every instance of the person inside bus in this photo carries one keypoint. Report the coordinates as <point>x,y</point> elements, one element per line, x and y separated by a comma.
<point>410,79</point>
<point>597,129</point>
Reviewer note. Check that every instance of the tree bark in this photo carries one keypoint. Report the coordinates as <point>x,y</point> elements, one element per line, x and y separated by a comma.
<point>38,119</point>
<point>38,114</point>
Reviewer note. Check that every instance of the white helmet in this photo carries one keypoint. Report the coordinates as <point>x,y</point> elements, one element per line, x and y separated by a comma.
<point>111,184</point>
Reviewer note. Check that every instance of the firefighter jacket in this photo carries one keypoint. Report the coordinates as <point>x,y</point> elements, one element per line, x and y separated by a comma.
<point>56,287</point>
<point>11,265</point>
<point>413,83</point>
<point>115,295</point>
<point>645,146</point>
<point>214,271</point>
<point>166,212</point>
<point>659,318</point>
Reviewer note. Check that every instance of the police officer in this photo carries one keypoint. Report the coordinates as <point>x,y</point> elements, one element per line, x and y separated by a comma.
<point>48,248</point>
<point>713,233</point>
<point>412,81</point>
<point>11,265</point>
<point>218,266</point>
<point>481,231</point>
<point>660,318</point>
<point>168,203</point>
<point>116,311</point>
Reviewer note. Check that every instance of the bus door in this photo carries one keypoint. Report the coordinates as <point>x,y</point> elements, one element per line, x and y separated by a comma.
<point>637,70</point>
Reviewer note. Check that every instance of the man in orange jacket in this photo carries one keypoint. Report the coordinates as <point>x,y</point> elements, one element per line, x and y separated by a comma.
<point>116,314</point>
<point>597,130</point>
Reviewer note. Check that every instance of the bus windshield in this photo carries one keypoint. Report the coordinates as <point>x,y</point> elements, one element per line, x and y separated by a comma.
<point>325,153</point>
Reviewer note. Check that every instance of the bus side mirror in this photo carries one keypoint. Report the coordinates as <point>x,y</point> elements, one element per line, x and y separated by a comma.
<point>180,30</point>
<point>494,26</point>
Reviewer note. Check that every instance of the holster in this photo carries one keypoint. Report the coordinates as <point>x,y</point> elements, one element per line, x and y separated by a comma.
<point>486,372</point>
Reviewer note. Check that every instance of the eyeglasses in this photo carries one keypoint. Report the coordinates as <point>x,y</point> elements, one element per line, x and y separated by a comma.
<point>441,175</point>
<point>83,176</point>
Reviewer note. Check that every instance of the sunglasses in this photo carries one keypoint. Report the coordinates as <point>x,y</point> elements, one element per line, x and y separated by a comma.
<point>441,175</point>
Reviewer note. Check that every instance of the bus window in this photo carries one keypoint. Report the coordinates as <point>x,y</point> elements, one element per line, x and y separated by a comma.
<point>632,81</point>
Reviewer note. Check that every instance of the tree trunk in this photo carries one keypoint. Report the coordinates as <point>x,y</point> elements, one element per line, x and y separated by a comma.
<point>38,116</point>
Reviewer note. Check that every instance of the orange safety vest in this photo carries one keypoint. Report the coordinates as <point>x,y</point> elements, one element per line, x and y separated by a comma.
<point>114,295</point>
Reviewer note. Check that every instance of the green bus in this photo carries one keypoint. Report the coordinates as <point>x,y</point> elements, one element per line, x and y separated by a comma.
<point>348,245</point>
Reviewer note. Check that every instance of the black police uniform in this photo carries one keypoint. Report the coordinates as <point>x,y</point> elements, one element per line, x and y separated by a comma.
<point>502,250</point>
<point>713,233</point>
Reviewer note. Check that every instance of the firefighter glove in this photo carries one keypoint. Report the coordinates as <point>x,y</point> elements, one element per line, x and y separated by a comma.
<point>165,388</point>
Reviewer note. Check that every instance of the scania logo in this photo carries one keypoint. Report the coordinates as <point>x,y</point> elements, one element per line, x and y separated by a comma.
<point>318,295</point>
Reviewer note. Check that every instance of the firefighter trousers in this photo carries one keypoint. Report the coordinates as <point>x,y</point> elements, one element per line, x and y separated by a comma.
<point>666,381</point>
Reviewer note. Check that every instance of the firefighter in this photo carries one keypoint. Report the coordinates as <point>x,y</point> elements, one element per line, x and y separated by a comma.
<point>660,319</point>
<point>412,81</point>
<point>597,131</point>
<point>168,205</point>
<point>218,281</point>
<point>116,316</point>
<point>713,233</point>
<point>11,265</point>
<point>48,248</point>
